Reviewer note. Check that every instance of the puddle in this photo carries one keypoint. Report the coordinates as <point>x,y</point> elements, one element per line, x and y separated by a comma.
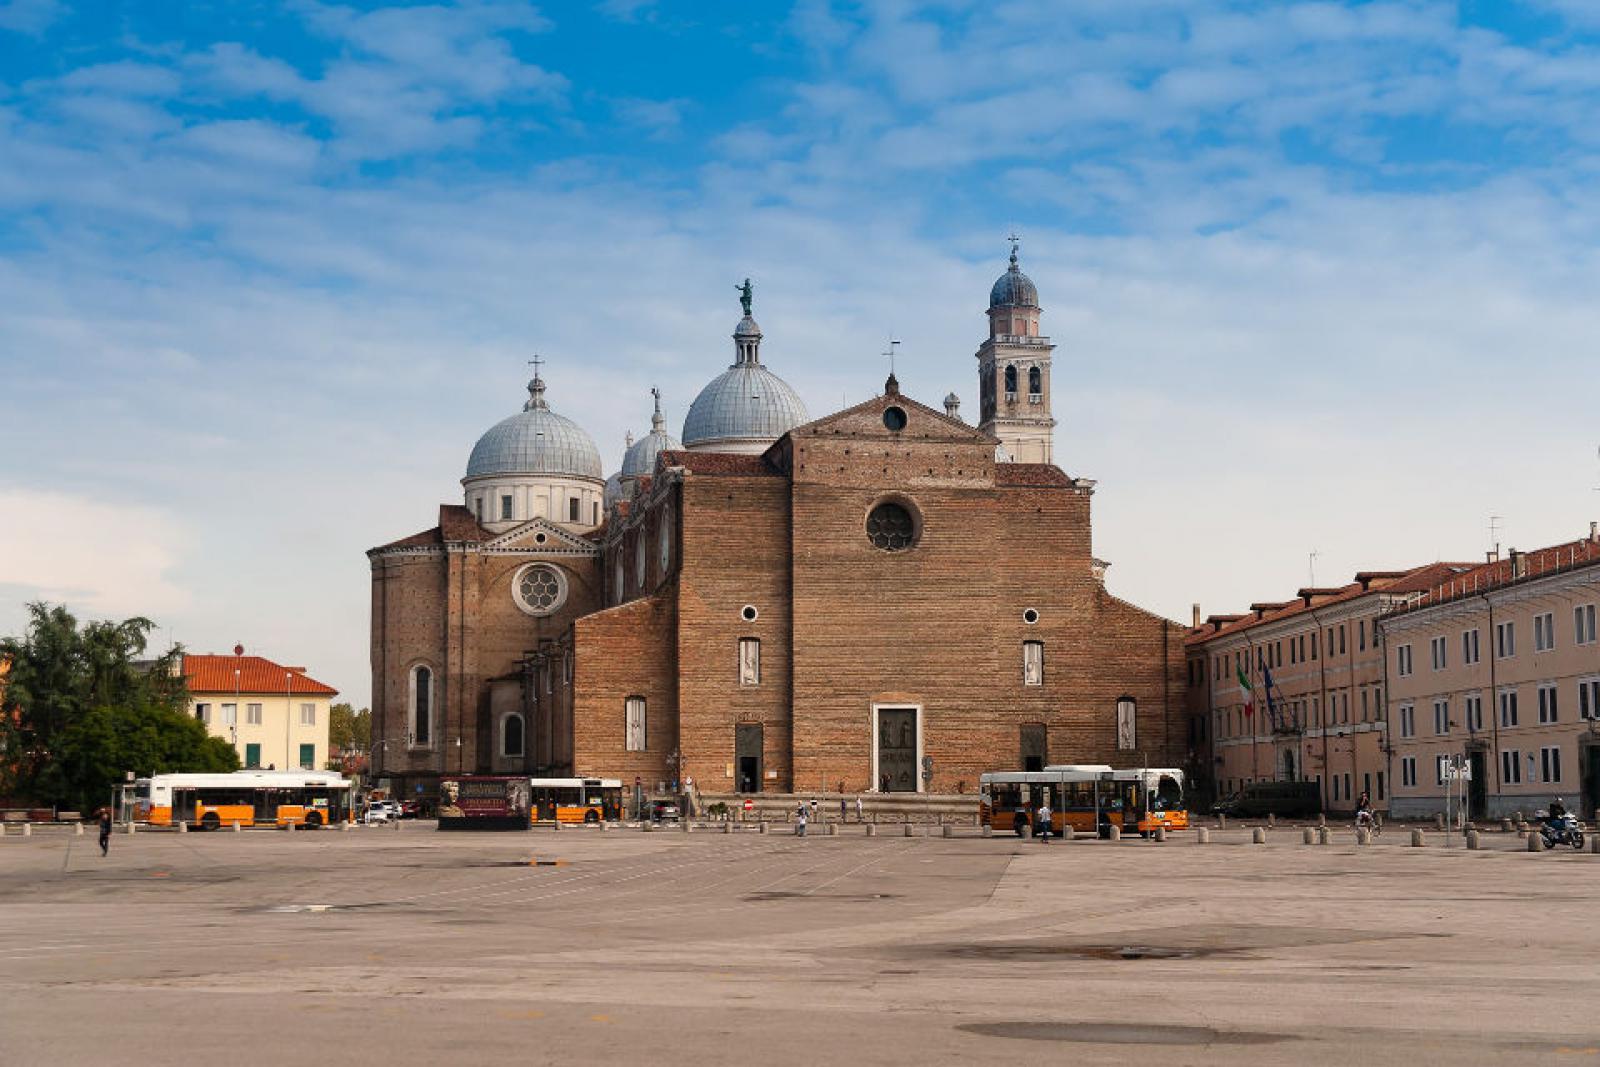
<point>1122,1033</point>
<point>318,909</point>
<point>1034,950</point>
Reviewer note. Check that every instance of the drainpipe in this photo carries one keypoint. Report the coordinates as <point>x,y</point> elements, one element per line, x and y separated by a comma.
<point>1381,635</point>
<point>1322,689</point>
<point>1494,701</point>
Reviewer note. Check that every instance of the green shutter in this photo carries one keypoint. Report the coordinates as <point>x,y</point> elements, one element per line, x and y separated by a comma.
<point>252,755</point>
<point>308,755</point>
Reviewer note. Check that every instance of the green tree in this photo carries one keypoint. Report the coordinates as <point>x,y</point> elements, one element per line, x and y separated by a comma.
<point>85,709</point>
<point>349,729</point>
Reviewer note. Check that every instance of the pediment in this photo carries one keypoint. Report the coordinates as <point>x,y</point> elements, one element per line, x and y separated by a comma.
<point>922,423</point>
<point>541,536</point>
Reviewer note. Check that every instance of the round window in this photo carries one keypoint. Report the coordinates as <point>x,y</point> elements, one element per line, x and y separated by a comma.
<point>539,589</point>
<point>894,418</point>
<point>889,527</point>
<point>748,613</point>
<point>1030,616</point>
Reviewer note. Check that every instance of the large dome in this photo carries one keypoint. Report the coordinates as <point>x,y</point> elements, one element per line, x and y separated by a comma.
<point>535,441</point>
<point>745,402</point>
<point>1014,288</point>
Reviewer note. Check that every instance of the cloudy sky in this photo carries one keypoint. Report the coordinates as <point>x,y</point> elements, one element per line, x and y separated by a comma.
<point>1322,276</point>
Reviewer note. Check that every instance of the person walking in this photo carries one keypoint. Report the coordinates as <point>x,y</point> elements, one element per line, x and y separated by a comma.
<point>105,831</point>
<point>844,810</point>
<point>859,817</point>
<point>800,819</point>
<point>1044,822</point>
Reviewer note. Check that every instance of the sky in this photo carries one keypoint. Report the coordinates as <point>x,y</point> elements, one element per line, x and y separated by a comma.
<point>1321,275</point>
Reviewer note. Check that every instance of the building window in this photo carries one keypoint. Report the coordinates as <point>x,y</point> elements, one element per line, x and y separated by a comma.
<point>634,708</point>
<point>1547,703</point>
<point>230,714</point>
<point>1402,657</point>
<point>594,508</point>
<point>1510,767</point>
<point>1011,383</point>
<point>1380,785</point>
<point>1408,721</point>
<point>1361,635</point>
<point>664,536</point>
<point>203,713</point>
<point>1474,705</point>
<point>1469,646</point>
<point>1341,639</point>
<point>505,509</point>
<point>572,509</point>
<point>308,757</point>
<point>749,661</point>
<point>421,705</point>
<point>1293,653</point>
<point>1505,639</point>
<point>1589,698</point>
<point>308,715</point>
<point>252,714</point>
<point>1436,648</point>
<point>1033,663</point>
<point>566,668</point>
<point>1544,632</point>
<point>638,557</point>
<point>539,588</point>
<point>511,735</point>
<point>1550,764</point>
<point>1441,717</point>
<point>252,755</point>
<point>1035,381</point>
<point>1408,770</point>
<point>890,527</point>
<point>477,508</point>
<point>1508,708</point>
<point>1583,624</point>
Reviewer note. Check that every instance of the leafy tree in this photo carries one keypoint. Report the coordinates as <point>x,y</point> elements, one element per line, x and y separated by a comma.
<point>349,729</point>
<point>82,709</point>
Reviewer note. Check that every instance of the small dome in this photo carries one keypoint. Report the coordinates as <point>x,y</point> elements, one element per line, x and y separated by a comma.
<point>745,402</point>
<point>640,459</point>
<point>1014,288</point>
<point>535,441</point>
<point>952,401</point>
<point>613,490</point>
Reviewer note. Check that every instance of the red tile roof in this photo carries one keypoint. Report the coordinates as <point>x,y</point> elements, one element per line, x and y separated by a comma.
<point>1029,475</point>
<point>257,675</point>
<point>714,463</point>
<point>1470,580</point>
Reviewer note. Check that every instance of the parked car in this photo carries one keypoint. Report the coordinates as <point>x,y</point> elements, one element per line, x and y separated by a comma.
<point>410,809</point>
<point>660,811</point>
<point>381,811</point>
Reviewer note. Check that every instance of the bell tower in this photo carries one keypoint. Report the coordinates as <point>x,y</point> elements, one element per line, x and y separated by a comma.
<point>1014,370</point>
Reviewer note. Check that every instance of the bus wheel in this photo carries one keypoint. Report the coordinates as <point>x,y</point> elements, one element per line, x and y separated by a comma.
<point>1019,823</point>
<point>313,818</point>
<point>209,821</point>
<point>591,816</point>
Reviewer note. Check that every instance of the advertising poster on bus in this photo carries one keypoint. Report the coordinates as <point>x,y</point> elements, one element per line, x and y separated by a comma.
<point>483,803</point>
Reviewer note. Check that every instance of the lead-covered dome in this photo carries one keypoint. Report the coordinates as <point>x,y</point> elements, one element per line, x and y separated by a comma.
<point>640,458</point>
<point>535,441</point>
<point>746,407</point>
<point>1014,288</point>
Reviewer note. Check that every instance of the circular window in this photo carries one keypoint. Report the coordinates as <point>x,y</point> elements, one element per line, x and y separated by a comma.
<point>748,613</point>
<point>539,538</point>
<point>539,589</point>
<point>890,527</point>
<point>894,418</point>
<point>1030,616</point>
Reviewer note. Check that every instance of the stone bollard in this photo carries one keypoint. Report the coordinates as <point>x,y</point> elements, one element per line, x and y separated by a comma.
<point>344,825</point>
<point>130,827</point>
<point>288,826</point>
<point>1202,835</point>
<point>988,831</point>
<point>833,829</point>
<point>1324,836</point>
<point>762,827</point>
<point>27,829</point>
<point>1272,820</point>
<point>1307,836</point>
<point>1505,826</point>
<point>1363,836</point>
<point>1066,832</point>
<point>1594,845</point>
<point>238,826</point>
<point>77,829</point>
<point>1222,822</point>
<point>1473,843</point>
<point>947,830</point>
<point>649,827</point>
<point>1322,820</point>
<point>604,824</point>
<point>183,827</point>
<point>1258,836</point>
<point>727,827</point>
<point>555,824</point>
<point>1159,835</point>
<point>1115,834</point>
<point>1535,842</point>
<point>686,825</point>
<point>1522,829</point>
<point>910,830</point>
<point>1417,840</point>
<point>1027,831</point>
<point>872,829</point>
<point>1438,821</point>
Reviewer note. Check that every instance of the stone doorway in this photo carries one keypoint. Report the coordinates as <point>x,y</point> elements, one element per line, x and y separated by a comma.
<point>896,744</point>
<point>747,748</point>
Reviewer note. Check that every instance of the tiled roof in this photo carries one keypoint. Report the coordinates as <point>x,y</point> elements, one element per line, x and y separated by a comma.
<point>456,523</point>
<point>215,674</point>
<point>1025,475</point>
<point>725,463</point>
<point>1470,579</point>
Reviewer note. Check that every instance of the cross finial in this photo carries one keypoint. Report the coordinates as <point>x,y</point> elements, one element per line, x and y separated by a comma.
<point>535,387</point>
<point>1015,240</point>
<point>890,353</point>
<point>535,362</point>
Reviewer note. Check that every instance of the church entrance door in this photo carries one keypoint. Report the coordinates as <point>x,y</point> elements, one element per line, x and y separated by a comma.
<point>897,750</point>
<point>747,756</point>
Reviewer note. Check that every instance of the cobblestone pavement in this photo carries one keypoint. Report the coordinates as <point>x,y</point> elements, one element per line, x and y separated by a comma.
<point>580,946</point>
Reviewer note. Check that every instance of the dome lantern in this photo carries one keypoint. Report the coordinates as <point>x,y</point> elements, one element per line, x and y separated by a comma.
<point>747,407</point>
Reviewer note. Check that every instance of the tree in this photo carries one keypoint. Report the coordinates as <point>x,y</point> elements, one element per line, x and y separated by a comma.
<point>83,709</point>
<point>348,729</point>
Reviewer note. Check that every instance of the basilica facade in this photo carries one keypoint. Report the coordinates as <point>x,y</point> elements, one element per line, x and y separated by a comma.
<point>886,598</point>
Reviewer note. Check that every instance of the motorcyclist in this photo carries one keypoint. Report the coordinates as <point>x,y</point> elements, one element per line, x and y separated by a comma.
<point>1555,819</point>
<point>1364,810</point>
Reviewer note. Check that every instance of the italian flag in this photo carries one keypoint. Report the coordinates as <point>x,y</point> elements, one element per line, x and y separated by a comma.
<point>1249,693</point>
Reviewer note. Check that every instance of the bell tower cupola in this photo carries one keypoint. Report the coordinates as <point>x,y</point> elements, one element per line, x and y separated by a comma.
<point>1014,370</point>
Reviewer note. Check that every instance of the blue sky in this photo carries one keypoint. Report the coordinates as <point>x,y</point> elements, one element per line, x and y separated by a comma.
<point>1321,275</point>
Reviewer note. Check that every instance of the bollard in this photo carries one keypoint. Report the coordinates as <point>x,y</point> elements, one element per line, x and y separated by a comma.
<point>833,829</point>
<point>909,829</point>
<point>555,824</point>
<point>344,826</point>
<point>872,829</point>
<point>1027,831</point>
<point>1222,822</point>
<point>288,826</point>
<point>947,830</point>
<point>1324,836</point>
<point>1594,845</point>
<point>1066,832</point>
<point>1322,820</point>
<point>762,827</point>
<point>1307,835</point>
<point>988,831</point>
<point>649,827</point>
<point>130,827</point>
<point>1522,829</point>
<point>1535,842</point>
<point>686,826</point>
<point>183,827</point>
<point>27,829</point>
<point>1363,836</point>
<point>1115,834</point>
<point>1258,836</point>
<point>1202,835</point>
<point>1159,835</point>
<point>1272,820</point>
<point>1505,826</point>
<point>77,829</point>
<point>1417,840</point>
<point>1438,821</point>
<point>238,826</point>
<point>604,824</point>
<point>727,827</point>
<point>1473,844</point>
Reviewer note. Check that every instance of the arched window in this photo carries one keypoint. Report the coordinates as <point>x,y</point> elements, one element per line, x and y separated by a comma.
<point>1011,379</point>
<point>511,735</point>
<point>421,705</point>
<point>1035,381</point>
<point>634,723</point>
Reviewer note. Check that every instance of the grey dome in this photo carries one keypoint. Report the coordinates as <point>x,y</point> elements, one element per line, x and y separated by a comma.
<point>535,441</point>
<point>640,458</point>
<point>746,401</point>
<point>613,490</point>
<point>1014,288</point>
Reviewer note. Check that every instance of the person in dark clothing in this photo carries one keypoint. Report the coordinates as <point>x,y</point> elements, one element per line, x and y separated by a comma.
<point>105,831</point>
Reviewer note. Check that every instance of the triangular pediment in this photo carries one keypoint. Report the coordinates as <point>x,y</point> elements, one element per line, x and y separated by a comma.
<point>867,420</point>
<point>541,536</point>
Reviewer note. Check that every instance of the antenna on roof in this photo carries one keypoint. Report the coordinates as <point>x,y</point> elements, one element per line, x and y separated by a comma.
<point>1494,534</point>
<point>1311,566</point>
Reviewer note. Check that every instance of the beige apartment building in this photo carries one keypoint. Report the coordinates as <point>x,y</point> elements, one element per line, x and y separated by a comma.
<point>1499,665</point>
<point>275,716</point>
<point>1294,690</point>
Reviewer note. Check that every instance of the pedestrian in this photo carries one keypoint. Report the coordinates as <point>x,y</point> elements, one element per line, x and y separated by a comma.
<point>800,819</point>
<point>1044,822</point>
<point>844,810</point>
<point>858,808</point>
<point>105,831</point>
<point>814,808</point>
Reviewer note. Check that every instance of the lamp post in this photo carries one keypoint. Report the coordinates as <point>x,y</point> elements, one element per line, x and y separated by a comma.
<point>288,707</point>
<point>233,727</point>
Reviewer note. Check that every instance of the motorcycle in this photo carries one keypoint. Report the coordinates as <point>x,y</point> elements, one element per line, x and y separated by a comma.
<point>1563,830</point>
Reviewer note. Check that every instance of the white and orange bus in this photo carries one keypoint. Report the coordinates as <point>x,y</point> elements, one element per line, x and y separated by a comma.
<point>1087,797</point>
<point>212,801</point>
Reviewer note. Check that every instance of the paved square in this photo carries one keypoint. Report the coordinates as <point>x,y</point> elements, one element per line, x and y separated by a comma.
<point>383,946</point>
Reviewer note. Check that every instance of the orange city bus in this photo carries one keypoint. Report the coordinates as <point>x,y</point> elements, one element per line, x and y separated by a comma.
<point>1087,797</point>
<point>581,800</point>
<point>212,801</point>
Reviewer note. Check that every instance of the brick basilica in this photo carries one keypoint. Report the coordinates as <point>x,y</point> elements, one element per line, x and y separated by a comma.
<point>886,598</point>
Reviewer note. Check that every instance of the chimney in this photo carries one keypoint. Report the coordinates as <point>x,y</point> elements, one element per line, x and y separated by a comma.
<point>1594,531</point>
<point>1195,609</point>
<point>1519,564</point>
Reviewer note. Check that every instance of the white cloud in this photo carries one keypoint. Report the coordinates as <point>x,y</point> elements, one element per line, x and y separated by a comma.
<point>31,17</point>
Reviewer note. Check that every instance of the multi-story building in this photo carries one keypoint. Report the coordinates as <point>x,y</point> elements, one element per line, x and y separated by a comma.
<point>275,716</point>
<point>1499,665</point>
<point>1294,690</point>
